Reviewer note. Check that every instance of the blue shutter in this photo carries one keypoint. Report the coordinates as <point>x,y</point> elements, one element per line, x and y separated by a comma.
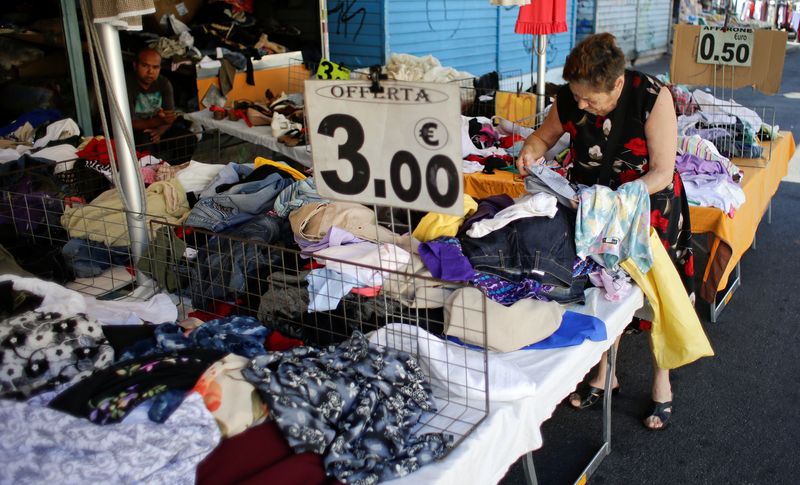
<point>468,35</point>
<point>356,32</point>
<point>460,33</point>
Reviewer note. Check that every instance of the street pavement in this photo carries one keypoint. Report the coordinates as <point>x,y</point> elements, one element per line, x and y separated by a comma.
<point>736,414</point>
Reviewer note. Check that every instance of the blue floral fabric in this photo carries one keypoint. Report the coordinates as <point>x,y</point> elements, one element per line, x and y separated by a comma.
<point>355,404</point>
<point>238,335</point>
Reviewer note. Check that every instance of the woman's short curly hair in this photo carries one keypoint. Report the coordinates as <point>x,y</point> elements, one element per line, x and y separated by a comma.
<point>597,61</point>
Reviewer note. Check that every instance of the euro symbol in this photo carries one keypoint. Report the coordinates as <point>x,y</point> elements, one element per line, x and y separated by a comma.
<point>427,134</point>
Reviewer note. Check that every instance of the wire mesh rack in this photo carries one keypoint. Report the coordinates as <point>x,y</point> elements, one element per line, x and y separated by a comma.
<point>736,131</point>
<point>250,272</point>
<point>77,227</point>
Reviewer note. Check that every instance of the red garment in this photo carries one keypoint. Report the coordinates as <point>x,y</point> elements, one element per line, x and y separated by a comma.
<point>312,265</point>
<point>218,309</point>
<point>482,160</point>
<point>261,455</point>
<point>241,5</point>
<point>368,291</point>
<point>508,141</point>
<point>542,17</point>
<point>277,342</point>
<point>96,150</point>
<point>181,232</point>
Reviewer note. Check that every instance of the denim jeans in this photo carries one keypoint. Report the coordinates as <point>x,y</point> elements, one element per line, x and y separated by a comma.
<point>238,204</point>
<point>302,192</point>
<point>537,248</point>
<point>223,267</point>
<point>89,258</point>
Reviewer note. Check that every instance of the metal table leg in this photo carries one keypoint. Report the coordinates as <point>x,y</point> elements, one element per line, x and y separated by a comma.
<point>605,449</point>
<point>530,469</point>
<point>716,308</point>
<point>769,212</point>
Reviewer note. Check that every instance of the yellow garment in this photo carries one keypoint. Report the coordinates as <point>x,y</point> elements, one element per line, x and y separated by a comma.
<point>434,224</point>
<point>516,107</point>
<point>297,175</point>
<point>677,336</point>
<point>104,219</point>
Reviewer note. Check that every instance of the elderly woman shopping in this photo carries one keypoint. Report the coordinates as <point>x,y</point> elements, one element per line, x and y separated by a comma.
<point>622,128</point>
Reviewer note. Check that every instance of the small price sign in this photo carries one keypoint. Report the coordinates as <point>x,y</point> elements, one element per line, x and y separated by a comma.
<point>399,148</point>
<point>732,46</point>
<point>331,70</point>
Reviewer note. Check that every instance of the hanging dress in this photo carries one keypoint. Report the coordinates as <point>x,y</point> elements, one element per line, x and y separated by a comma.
<point>542,17</point>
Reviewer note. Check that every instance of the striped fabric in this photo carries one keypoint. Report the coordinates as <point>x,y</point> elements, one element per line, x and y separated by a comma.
<point>706,150</point>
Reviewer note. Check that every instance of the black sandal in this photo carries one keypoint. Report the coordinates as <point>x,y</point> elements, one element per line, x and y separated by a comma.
<point>592,396</point>
<point>662,411</point>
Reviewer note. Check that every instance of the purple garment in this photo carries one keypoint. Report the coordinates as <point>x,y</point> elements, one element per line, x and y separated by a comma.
<point>585,267</point>
<point>445,260</point>
<point>507,292</point>
<point>692,164</point>
<point>335,236</point>
<point>487,208</point>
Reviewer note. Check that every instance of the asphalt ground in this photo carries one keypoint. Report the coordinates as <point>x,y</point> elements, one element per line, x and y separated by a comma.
<point>736,414</point>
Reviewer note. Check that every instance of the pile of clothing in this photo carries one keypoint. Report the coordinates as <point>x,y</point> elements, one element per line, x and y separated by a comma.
<point>152,402</point>
<point>711,132</point>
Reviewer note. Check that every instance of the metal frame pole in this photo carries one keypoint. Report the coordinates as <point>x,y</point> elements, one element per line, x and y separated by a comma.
<point>323,29</point>
<point>541,69</point>
<point>128,166</point>
<point>72,40</point>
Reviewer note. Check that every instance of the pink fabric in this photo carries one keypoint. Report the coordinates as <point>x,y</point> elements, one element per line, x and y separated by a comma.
<point>148,175</point>
<point>542,17</point>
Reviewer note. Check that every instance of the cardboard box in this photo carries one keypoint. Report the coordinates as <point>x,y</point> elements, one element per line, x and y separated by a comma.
<point>183,10</point>
<point>769,51</point>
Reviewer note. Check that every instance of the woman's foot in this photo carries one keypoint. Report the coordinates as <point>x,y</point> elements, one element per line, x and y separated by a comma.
<point>662,400</point>
<point>660,417</point>
<point>593,393</point>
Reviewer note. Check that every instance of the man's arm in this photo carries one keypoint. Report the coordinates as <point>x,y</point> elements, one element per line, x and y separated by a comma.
<point>148,124</point>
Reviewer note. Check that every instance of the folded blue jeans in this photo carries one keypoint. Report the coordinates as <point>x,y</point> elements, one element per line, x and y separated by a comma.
<point>238,204</point>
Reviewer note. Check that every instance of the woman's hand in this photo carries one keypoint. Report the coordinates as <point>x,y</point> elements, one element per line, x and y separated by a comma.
<point>540,141</point>
<point>527,159</point>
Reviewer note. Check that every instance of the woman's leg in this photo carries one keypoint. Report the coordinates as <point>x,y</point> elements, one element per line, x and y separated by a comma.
<point>599,380</point>
<point>662,393</point>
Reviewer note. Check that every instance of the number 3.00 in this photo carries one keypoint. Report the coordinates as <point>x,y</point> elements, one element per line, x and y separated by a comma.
<point>349,151</point>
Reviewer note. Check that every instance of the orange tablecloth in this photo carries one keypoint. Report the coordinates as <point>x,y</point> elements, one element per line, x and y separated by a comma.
<point>481,185</point>
<point>731,236</point>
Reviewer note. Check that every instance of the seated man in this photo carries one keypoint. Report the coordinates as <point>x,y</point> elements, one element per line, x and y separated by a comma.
<point>152,105</point>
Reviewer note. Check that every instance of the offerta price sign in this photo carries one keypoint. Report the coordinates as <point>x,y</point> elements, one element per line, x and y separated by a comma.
<point>398,148</point>
<point>732,46</point>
